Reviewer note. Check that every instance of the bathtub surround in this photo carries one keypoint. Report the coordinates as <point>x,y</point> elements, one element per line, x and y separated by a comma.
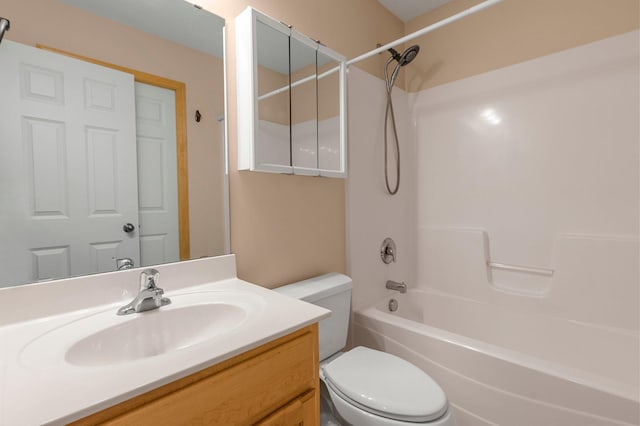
<point>534,165</point>
<point>527,175</point>
<point>554,184</point>
<point>373,214</point>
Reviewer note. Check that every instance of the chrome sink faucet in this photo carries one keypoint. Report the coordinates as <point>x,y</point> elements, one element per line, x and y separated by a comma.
<point>394,285</point>
<point>150,295</point>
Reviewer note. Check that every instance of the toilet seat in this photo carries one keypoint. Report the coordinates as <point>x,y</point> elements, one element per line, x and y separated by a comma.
<point>385,385</point>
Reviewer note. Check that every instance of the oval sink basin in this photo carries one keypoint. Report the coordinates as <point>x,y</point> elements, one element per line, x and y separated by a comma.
<point>105,339</point>
<point>155,332</point>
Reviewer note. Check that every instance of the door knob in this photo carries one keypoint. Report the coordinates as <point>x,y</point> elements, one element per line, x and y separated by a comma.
<point>128,227</point>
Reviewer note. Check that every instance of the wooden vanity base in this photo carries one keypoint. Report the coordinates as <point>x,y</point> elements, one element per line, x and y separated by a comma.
<point>274,384</point>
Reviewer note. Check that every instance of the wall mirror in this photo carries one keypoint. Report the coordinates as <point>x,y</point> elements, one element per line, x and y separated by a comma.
<point>291,100</point>
<point>103,163</point>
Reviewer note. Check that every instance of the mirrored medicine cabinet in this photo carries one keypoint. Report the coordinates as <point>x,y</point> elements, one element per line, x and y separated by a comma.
<point>291,100</point>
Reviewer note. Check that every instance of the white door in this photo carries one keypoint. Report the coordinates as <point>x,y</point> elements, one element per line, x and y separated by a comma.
<point>67,166</point>
<point>157,174</point>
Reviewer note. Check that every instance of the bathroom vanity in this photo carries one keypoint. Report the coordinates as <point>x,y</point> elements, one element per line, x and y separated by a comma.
<point>222,352</point>
<point>274,384</point>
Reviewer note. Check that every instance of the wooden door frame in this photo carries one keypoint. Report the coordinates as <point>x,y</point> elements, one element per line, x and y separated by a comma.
<point>180,90</point>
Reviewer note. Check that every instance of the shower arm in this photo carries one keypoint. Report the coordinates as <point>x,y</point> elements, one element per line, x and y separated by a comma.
<point>425,30</point>
<point>5,25</point>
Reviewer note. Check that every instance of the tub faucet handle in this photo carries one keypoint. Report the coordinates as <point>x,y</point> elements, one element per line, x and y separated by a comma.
<point>388,251</point>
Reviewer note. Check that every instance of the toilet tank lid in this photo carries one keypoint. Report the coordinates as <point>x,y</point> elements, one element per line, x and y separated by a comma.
<point>317,288</point>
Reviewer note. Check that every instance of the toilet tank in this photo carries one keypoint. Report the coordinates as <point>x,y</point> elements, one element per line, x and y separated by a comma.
<point>333,292</point>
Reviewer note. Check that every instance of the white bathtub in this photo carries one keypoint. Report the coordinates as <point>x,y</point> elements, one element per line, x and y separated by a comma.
<point>499,366</point>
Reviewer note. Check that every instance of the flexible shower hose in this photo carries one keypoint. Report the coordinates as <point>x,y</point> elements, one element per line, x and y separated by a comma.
<point>389,112</point>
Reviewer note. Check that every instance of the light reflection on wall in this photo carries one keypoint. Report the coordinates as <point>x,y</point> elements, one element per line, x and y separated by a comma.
<point>491,116</point>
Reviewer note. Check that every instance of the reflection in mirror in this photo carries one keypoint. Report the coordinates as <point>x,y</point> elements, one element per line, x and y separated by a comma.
<point>304,111</point>
<point>329,156</point>
<point>272,147</point>
<point>100,157</point>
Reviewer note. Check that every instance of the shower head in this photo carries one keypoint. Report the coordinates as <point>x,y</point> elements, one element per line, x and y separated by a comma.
<point>4,26</point>
<point>407,56</point>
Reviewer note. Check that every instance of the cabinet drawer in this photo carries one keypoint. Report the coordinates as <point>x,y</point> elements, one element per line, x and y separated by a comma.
<point>241,391</point>
<point>299,412</point>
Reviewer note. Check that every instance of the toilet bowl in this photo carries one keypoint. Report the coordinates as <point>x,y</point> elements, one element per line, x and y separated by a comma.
<point>367,387</point>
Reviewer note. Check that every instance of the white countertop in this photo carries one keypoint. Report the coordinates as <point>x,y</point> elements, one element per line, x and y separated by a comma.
<point>52,391</point>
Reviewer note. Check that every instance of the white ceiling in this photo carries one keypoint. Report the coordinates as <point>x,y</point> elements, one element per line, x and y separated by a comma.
<point>174,20</point>
<point>409,9</point>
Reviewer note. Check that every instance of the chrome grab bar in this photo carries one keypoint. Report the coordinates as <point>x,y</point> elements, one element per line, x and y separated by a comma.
<point>517,268</point>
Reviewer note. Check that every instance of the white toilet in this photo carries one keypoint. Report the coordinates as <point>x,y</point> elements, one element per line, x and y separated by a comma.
<point>367,387</point>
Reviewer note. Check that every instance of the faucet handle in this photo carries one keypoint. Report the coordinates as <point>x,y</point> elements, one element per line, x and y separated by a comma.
<point>149,279</point>
<point>388,251</point>
<point>124,263</point>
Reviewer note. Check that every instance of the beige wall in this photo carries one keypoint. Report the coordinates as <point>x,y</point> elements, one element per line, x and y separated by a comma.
<point>61,26</point>
<point>285,228</point>
<point>510,32</point>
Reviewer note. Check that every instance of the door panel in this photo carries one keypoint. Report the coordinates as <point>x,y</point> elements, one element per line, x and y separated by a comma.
<point>69,172</point>
<point>102,164</point>
<point>157,174</point>
<point>45,147</point>
<point>51,262</point>
<point>103,254</point>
